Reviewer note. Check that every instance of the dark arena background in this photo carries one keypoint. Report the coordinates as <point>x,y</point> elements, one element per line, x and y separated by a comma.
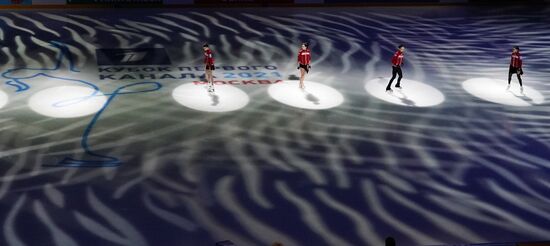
<point>109,136</point>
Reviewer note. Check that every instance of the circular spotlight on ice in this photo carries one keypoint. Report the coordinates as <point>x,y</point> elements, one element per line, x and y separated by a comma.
<point>495,90</point>
<point>225,98</point>
<point>3,99</point>
<point>314,96</point>
<point>414,93</point>
<point>67,101</point>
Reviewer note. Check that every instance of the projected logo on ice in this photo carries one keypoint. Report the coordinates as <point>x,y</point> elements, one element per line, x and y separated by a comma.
<point>78,99</point>
<point>154,63</point>
<point>81,97</point>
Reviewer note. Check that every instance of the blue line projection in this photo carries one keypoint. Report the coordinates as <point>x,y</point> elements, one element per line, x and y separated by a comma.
<point>18,84</point>
<point>96,160</point>
<point>104,160</point>
<point>17,81</point>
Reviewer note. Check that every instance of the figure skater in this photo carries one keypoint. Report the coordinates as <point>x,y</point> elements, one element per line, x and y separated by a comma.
<point>209,66</point>
<point>515,67</point>
<point>397,62</point>
<point>304,59</point>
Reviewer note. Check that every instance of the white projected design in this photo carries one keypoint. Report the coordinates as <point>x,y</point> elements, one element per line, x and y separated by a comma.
<point>67,101</point>
<point>495,90</point>
<point>225,98</point>
<point>3,99</point>
<point>314,96</point>
<point>414,93</point>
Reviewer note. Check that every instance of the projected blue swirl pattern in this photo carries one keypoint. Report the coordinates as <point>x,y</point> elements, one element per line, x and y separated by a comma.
<point>99,160</point>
